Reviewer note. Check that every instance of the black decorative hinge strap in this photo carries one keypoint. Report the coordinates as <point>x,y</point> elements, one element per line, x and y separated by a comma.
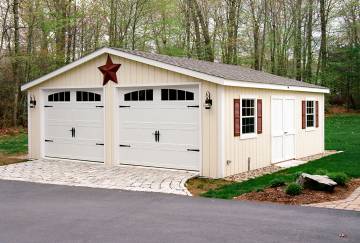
<point>48,106</point>
<point>193,106</point>
<point>194,150</point>
<point>124,106</point>
<point>48,141</point>
<point>125,145</point>
<point>101,144</point>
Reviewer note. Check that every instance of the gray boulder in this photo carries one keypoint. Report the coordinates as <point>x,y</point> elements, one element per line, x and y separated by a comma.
<point>316,182</point>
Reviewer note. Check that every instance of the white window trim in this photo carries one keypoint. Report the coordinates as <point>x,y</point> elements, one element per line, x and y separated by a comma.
<point>254,134</point>
<point>313,128</point>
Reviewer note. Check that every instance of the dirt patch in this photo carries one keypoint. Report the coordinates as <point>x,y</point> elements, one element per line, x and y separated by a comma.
<point>7,159</point>
<point>332,110</point>
<point>11,131</point>
<point>198,185</point>
<point>278,195</point>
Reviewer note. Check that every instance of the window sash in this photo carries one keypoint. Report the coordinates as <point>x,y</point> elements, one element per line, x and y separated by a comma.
<point>248,115</point>
<point>310,113</point>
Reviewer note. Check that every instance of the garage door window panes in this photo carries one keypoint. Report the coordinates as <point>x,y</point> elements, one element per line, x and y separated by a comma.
<point>83,96</point>
<point>139,95</point>
<point>176,94</point>
<point>59,97</point>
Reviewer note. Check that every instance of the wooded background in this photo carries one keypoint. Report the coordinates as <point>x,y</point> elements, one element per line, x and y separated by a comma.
<point>315,41</point>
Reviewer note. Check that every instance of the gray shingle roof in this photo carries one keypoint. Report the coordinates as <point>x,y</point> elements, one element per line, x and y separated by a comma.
<point>226,71</point>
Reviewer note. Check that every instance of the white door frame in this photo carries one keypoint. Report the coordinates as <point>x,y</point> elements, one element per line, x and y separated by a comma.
<point>271,130</point>
<point>42,93</point>
<point>117,118</point>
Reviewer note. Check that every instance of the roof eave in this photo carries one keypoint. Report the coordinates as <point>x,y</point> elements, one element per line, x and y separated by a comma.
<point>177,69</point>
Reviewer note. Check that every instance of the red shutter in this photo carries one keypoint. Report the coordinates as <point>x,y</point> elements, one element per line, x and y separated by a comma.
<point>236,117</point>
<point>259,116</point>
<point>317,113</point>
<point>303,116</point>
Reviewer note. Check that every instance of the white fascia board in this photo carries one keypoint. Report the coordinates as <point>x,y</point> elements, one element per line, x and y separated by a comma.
<point>63,69</point>
<point>172,68</point>
<point>274,86</point>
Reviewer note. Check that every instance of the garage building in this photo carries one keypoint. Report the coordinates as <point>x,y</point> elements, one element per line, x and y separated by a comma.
<point>172,112</point>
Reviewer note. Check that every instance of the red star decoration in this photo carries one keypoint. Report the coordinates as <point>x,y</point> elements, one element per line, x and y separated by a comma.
<point>109,70</point>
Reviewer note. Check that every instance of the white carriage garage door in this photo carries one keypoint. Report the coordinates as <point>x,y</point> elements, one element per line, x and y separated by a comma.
<point>159,127</point>
<point>74,124</point>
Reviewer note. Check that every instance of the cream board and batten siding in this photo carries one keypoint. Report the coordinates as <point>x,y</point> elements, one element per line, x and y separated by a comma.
<point>131,73</point>
<point>258,149</point>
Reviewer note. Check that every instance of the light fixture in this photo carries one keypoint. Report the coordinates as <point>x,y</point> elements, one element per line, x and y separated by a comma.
<point>208,100</point>
<point>32,102</point>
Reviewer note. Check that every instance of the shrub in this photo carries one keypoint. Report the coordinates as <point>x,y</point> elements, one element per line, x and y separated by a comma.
<point>293,189</point>
<point>277,182</point>
<point>297,174</point>
<point>321,172</point>
<point>339,177</point>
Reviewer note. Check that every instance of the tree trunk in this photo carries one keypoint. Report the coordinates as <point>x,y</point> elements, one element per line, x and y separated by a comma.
<point>16,64</point>
<point>60,33</point>
<point>230,52</point>
<point>256,35</point>
<point>323,47</point>
<point>297,36</point>
<point>308,69</point>
<point>187,30</point>
<point>197,31</point>
<point>205,31</point>
<point>263,39</point>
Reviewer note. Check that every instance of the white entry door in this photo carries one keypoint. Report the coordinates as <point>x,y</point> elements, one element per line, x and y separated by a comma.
<point>283,128</point>
<point>74,126</point>
<point>159,126</point>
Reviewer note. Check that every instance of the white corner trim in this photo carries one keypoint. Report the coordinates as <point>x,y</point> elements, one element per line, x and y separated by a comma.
<point>170,67</point>
<point>221,129</point>
<point>29,125</point>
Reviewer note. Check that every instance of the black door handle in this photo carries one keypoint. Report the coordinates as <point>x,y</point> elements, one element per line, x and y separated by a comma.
<point>72,132</point>
<point>157,136</point>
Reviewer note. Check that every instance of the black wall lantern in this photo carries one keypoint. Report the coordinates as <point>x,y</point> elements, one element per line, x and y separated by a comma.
<point>32,102</point>
<point>208,101</point>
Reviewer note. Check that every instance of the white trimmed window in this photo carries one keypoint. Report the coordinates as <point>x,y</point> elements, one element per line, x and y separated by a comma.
<point>310,113</point>
<point>248,116</point>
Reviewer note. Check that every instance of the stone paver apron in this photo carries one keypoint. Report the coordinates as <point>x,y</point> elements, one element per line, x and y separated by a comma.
<point>350,203</point>
<point>88,174</point>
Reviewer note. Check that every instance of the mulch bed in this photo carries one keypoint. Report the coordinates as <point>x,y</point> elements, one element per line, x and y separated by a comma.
<point>278,195</point>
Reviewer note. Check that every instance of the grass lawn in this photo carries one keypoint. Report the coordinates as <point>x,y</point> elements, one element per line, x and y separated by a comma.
<point>11,145</point>
<point>342,132</point>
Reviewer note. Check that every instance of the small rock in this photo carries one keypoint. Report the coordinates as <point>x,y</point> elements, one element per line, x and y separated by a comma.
<point>316,182</point>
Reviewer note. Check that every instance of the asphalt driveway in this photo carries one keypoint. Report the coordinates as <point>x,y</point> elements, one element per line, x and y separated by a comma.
<point>38,213</point>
